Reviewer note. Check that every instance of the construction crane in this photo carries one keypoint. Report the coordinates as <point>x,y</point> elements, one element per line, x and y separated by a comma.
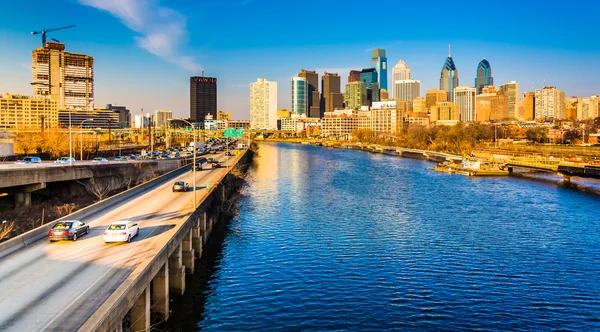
<point>43,32</point>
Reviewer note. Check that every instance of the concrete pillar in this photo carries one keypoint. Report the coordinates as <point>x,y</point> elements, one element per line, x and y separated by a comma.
<point>188,252</point>
<point>160,296</point>
<point>204,221</point>
<point>140,313</point>
<point>23,199</point>
<point>197,241</point>
<point>176,272</point>
<point>567,178</point>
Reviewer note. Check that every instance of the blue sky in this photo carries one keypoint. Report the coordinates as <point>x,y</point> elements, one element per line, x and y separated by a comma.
<point>145,51</point>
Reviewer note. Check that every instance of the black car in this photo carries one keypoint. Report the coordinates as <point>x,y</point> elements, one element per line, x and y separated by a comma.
<point>68,230</point>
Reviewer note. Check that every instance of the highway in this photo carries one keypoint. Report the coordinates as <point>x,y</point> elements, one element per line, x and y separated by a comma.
<point>48,163</point>
<point>58,286</point>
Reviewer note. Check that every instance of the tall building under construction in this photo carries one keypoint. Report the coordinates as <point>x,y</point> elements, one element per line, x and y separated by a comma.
<point>67,78</point>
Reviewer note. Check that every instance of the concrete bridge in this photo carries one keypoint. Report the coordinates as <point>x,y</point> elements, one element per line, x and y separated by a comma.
<point>88,285</point>
<point>22,180</point>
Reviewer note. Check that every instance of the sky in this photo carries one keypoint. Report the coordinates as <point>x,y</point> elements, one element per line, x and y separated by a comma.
<point>146,50</point>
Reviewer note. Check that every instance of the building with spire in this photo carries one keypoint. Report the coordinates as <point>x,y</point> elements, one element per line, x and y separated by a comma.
<point>401,71</point>
<point>484,76</point>
<point>449,76</point>
<point>379,62</point>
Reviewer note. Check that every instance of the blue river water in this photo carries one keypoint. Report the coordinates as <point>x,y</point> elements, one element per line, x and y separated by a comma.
<point>330,239</point>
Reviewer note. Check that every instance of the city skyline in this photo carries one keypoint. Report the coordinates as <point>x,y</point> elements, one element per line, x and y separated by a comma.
<point>127,70</point>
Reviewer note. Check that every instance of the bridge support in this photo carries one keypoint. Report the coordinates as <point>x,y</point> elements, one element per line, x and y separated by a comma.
<point>160,294</point>
<point>510,169</point>
<point>204,222</point>
<point>140,313</point>
<point>176,272</point>
<point>23,193</point>
<point>188,253</point>
<point>567,178</point>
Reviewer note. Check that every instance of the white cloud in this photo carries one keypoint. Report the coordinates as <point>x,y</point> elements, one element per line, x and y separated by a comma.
<point>162,30</point>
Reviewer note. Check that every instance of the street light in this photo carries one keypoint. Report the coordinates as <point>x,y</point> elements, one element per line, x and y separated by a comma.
<point>81,135</point>
<point>194,162</point>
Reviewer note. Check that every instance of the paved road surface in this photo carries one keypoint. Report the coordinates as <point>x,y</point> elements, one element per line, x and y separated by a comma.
<point>58,286</point>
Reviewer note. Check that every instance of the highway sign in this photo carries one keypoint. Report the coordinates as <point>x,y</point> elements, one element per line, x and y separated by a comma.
<point>229,132</point>
<point>239,132</point>
<point>208,186</point>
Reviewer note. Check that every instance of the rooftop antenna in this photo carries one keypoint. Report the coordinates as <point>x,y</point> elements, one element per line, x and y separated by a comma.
<point>544,83</point>
<point>449,50</point>
<point>202,72</point>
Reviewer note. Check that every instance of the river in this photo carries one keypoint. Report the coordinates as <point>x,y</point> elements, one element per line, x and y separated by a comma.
<point>330,239</point>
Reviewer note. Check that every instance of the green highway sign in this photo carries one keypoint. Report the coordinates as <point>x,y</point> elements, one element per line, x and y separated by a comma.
<point>187,128</point>
<point>208,186</point>
<point>239,132</point>
<point>229,132</point>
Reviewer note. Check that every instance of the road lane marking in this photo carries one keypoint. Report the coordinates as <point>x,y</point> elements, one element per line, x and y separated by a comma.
<point>155,201</point>
<point>80,249</point>
<point>97,280</point>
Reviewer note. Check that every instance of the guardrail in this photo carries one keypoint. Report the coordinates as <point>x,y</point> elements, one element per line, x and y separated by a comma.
<point>31,237</point>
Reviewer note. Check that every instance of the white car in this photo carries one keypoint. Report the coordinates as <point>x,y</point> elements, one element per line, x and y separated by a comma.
<point>121,231</point>
<point>64,160</point>
<point>99,160</point>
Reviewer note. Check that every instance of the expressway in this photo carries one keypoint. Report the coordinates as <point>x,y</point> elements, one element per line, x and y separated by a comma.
<point>58,286</point>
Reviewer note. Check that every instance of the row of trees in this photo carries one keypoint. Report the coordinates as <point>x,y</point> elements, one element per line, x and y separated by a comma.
<point>55,143</point>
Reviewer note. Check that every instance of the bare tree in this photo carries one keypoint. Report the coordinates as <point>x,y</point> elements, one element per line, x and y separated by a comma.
<point>6,229</point>
<point>100,190</point>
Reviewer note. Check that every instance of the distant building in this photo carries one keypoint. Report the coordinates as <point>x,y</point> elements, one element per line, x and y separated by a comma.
<point>368,76</point>
<point>124,115</point>
<point>7,144</point>
<point>484,76</point>
<point>386,116</point>
<point>549,103</point>
<point>263,104</point>
<point>384,94</point>
<point>419,105</point>
<point>433,96</point>
<point>356,95</point>
<point>587,108</point>
<point>300,96</point>
<point>354,76</point>
<point>332,97</point>
<point>407,90</point>
<point>238,124</point>
<point>449,76</point>
<point>379,62</point>
<point>445,113</point>
<point>142,121</point>
<point>20,112</point>
<point>162,118</point>
<point>400,72</point>
<point>499,107</point>
<point>529,106</point>
<point>464,98</point>
<point>67,78</point>
<point>203,98</point>
<point>223,115</point>
<point>314,98</point>
<point>97,118</point>
<point>511,90</point>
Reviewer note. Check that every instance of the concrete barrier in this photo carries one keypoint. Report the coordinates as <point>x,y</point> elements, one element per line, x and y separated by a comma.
<point>24,240</point>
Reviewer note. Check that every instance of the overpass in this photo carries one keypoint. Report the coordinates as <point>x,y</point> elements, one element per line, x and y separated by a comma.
<point>88,285</point>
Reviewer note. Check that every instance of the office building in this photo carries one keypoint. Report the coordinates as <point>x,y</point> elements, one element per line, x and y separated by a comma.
<point>124,115</point>
<point>484,76</point>
<point>162,118</point>
<point>400,72</point>
<point>464,98</point>
<point>419,105</point>
<point>238,124</point>
<point>67,78</point>
<point>354,76</point>
<point>203,98</point>
<point>384,94</point>
<point>386,116</point>
<point>223,115</point>
<point>445,113</point>
<point>528,106</point>
<point>300,96</point>
<point>141,121</point>
<point>586,108</point>
<point>314,98</point>
<point>499,107</point>
<point>368,76</point>
<point>407,90</point>
<point>33,113</point>
<point>449,76</point>
<point>511,90</point>
<point>379,62</point>
<point>263,104</point>
<point>332,97</point>
<point>433,96</point>
<point>549,103</point>
<point>483,104</point>
<point>103,118</point>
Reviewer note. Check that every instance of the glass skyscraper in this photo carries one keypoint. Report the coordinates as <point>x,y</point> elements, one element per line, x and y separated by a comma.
<point>484,76</point>
<point>300,96</point>
<point>449,77</point>
<point>379,62</point>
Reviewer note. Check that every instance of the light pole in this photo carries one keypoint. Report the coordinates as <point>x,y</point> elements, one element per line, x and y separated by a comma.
<point>194,161</point>
<point>81,136</point>
<point>70,141</point>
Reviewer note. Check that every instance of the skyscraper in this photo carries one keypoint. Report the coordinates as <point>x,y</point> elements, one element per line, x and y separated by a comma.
<point>401,71</point>
<point>354,76</point>
<point>407,90</point>
<point>449,76</point>
<point>314,99</point>
<point>511,90</point>
<point>331,98</point>
<point>529,106</point>
<point>464,98</point>
<point>203,98</point>
<point>549,103</point>
<point>379,62</point>
<point>263,104</point>
<point>433,97</point>
<point>67,78</point>
<point>300,96</point>
<point>356,95</point>
<point>484,76</point>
